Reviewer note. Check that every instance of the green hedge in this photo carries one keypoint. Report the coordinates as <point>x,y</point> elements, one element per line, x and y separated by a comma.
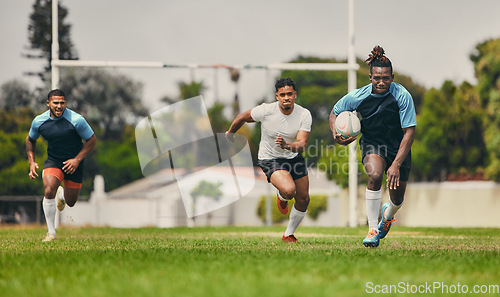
<point>316,206</point>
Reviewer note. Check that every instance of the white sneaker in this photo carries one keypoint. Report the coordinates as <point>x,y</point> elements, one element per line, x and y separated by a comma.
<point>60,198</point>
<point>49,237</point>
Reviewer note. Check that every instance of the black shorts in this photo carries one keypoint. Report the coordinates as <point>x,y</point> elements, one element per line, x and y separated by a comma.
<point>404,170</point>
<point>76,177</point>
<point>296,166</point>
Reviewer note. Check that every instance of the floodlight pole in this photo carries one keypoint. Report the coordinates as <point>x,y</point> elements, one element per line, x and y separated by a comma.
<point>351,85</point>
<point>55,44</point>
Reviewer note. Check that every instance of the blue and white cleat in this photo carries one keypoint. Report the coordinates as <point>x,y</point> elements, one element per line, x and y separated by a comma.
<point>371,239</point>
<point>385,225</point>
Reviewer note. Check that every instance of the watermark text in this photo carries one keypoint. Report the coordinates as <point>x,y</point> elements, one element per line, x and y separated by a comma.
<point>430,288</point>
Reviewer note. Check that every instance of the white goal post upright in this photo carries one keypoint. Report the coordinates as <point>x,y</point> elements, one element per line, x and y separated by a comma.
<point>351,85</point>
<point>55,45</point>
<point>350,67</point>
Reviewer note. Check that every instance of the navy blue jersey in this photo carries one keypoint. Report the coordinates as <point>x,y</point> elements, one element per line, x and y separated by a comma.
<point>63,134</point>
<point>383,117</point>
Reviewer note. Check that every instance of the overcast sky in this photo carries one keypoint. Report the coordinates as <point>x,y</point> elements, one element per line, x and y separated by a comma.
<point>430,40</point>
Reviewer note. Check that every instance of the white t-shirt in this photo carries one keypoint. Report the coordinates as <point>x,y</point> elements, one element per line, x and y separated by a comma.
<point>274,122</point>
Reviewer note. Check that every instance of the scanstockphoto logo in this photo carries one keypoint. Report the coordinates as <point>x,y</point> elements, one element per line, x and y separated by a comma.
<point>210,171</point>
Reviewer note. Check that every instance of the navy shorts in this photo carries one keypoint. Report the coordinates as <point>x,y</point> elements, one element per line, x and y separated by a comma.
<point>404,170</point>
<point>296,166</point>
<point>76,177</point>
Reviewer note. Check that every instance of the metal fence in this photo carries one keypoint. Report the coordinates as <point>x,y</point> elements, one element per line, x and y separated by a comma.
<point>21,210</point>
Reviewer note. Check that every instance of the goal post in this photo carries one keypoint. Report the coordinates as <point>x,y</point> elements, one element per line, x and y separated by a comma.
<point>351,85</point>
<point>351,67</point>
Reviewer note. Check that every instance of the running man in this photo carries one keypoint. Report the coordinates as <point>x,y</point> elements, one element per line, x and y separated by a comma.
<point>64,130</point>
<point>285,131</point>
<point>388,123</point>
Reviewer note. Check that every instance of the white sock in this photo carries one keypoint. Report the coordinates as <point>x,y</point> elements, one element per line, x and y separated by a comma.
<point>281,197</point>
<point>49,209</point>
<point>373,200</point>
<point>392,209</point>
<point>296,217</point>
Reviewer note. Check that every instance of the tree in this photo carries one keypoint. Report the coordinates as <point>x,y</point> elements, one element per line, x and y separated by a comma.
<point>317,205</point>
<point>219,122</point>
<point>14,167</point>
<point>429,147</point>
<point>14,94</point>
<point>40,34</point>
<point>208,190</point>
<point>186,91</point>
<point>200,150</point>
<point>449,137</point>
<point>108,100</point>
<point>18,120</point>
<point>487,71</point>
<point>235,78</point>
<point>117,160</point>
<point>416,90</point>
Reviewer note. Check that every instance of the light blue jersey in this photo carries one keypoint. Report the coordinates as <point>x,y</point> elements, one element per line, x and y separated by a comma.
<point>383,116</point>
<point>63,134</point>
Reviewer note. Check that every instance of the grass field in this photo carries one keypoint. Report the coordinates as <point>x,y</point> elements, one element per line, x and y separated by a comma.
<point>241,261</point>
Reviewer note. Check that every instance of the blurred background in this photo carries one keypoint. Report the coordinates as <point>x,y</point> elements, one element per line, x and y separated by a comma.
<point>446,53</point>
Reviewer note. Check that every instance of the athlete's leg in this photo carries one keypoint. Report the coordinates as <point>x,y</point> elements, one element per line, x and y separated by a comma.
<point>389,209</point>
<point>374,165</point>
<point>72,185</point>
<point>302,193</point>
<point>71,196</point>
<point>71,192</point>
<point>300,207</point>
<point>397,197</point>
<point>50,183</point>
<point>284,182</point>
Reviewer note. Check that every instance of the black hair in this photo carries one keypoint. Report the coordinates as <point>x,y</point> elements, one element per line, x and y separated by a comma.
<point>284,81</point>
<point>56,92</point>
<point>377,58</point>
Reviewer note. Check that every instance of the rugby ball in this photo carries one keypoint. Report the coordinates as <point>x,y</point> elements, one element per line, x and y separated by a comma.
<point>347,124</point>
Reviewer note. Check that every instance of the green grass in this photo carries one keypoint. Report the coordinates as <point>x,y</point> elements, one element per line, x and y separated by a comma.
<point>241,261</point>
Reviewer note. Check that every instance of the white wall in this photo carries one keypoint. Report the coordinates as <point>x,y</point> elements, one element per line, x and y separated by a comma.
<point>449,204</point>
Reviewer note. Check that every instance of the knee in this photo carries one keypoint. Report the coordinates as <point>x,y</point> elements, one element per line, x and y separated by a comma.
<point>397,199</point>
<point>303,199</point>
<point>375,180</point>
<point>71,200</point>
<point>288,192</point>
<point>302,202</point>
<point>50,192</point>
